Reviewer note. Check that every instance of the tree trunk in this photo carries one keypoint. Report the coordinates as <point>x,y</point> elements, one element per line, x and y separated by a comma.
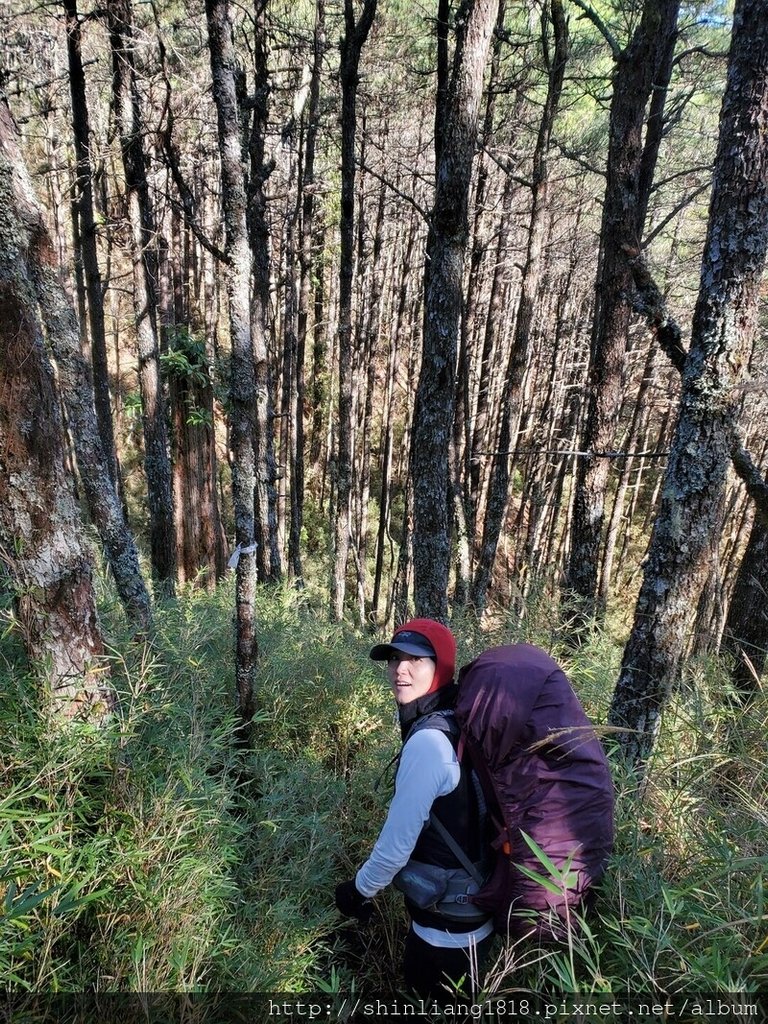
<point>140,214</point>
<point>385,494</point>
<point>308,185</point>
<point>319,383</point>
<point>291,468</point>
<point>268,559</point>
<point>306,235</point>
<point>310,248</point>
<point>201,541</point>
<point>639,75</point>
<point>85,232</point>
<point>463,417</point>
<point>746,627</point>
<point>398,605</point>
<point>627,464</point>
<point>242,388</point>
<point>485,422</point>
<point>388,425</point>
<point>369,353</point>
<point>443,286</point>
<point>356,32</point>
<point>723,328</point>
<point>43,547</point>
<point>498,497</point>
<point>76,387</point>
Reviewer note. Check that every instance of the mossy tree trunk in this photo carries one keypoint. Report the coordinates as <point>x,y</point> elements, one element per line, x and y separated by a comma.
<point>75,385</point>
<point>43,547</point>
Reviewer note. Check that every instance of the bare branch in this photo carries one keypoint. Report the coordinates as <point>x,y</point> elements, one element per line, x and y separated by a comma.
<point>576,453</point>
<point>714,54</point>
<point>681,174</point>
<point>600,25</point>
<point>685,201</point>
<point>505,166</point>
<point>649,302</point>
<point>393,188</point>
<point>577,158</point>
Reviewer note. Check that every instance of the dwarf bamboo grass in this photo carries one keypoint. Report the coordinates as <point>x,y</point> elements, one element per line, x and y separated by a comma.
<point>156,854</point>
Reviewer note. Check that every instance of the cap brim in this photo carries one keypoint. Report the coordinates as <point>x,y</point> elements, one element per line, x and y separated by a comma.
<point>382,652</point>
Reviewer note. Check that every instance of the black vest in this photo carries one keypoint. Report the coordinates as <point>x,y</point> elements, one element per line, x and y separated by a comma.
<point>458,811</point>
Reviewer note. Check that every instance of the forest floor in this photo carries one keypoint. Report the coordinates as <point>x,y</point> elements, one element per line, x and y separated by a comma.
<point>155,855</point>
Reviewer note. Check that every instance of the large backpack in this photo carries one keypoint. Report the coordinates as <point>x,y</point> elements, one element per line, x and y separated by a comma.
<point>545,776</point>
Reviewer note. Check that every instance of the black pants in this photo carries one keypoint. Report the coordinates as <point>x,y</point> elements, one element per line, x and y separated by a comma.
<point>427,969</point>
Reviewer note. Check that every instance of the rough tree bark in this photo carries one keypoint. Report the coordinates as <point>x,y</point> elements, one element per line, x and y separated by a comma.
<point>141,217</point>
<point>642,71</point>
<point>498,496</point>
<point>76,387</point>
<point>723,328</point>
<point>308,250</point>
<point>265,523</point>
<point>746,627</point>
<point>242,387</point>
<point>43,548</point>
<point>443,283</point>
<point>355,34</point>
<point>85,233</point>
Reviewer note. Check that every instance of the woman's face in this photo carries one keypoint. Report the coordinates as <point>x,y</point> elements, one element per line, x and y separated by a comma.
<point>409,676</point>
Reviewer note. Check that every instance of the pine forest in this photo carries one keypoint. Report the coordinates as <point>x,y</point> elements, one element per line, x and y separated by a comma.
<point>317,316</point>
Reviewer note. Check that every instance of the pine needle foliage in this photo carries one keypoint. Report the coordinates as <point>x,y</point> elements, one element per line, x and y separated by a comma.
<point>158,855</point>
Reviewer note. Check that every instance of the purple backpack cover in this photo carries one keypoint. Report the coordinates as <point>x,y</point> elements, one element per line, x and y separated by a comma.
<point>544,773</point>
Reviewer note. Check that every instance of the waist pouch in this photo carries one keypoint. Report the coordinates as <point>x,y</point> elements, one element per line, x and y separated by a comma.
<point>443,891</point>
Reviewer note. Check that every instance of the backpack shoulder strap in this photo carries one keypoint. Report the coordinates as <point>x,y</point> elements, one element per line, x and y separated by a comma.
<point>455,849</point>
<point>443,721</point>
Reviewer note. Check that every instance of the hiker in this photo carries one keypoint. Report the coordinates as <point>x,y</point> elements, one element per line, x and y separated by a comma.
<point>433,793</point>
<point>507,760</point>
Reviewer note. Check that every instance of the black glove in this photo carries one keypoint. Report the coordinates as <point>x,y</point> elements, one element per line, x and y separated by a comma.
<point>351,903</point>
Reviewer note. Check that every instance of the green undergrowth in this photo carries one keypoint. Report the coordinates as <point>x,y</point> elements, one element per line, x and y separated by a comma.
<point>157,855</point>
